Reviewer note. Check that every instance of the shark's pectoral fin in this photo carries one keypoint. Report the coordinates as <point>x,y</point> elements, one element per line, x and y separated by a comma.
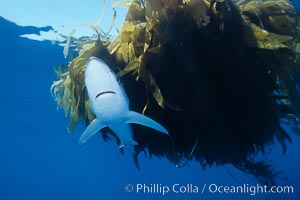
<point>91,130</point>
<point>137,118</point>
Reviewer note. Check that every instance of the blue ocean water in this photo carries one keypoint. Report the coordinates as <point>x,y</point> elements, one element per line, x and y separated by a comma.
<point>40,160</point>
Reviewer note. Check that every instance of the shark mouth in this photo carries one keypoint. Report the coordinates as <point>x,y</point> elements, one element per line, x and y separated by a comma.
<point>106,92</point>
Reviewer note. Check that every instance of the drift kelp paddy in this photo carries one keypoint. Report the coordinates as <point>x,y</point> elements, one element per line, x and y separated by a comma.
<point>222,76</point>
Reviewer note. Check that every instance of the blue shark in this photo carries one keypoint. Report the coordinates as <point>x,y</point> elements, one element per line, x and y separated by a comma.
<point>110,104</point>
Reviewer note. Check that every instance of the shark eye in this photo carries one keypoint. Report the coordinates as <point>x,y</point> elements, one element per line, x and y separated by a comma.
<point>106,92</point>
<point>118,79</point>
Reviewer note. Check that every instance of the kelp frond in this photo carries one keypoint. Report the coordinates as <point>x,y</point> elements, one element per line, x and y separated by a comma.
<point>222,73</point>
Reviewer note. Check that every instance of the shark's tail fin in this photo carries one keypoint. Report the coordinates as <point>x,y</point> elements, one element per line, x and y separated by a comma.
<point>130,148</point>
<point>136,161</point>
<point>137,118</point>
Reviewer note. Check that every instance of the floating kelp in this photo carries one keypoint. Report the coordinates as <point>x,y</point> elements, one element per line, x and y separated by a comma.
<point>221,75</point>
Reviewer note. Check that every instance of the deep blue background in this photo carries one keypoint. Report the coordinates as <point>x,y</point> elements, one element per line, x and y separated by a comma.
<point>40,160</point>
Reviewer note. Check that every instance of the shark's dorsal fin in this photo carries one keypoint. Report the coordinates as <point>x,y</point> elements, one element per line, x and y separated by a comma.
<point>137,118</point>
<point>91,130</point>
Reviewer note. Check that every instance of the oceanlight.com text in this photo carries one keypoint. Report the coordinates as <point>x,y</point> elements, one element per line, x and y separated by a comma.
<point>164,189</point>
<point>249,189</point>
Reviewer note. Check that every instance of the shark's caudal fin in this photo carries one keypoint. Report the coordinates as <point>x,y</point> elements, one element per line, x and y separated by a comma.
<point>137,118</point>
<point>91,130</point>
